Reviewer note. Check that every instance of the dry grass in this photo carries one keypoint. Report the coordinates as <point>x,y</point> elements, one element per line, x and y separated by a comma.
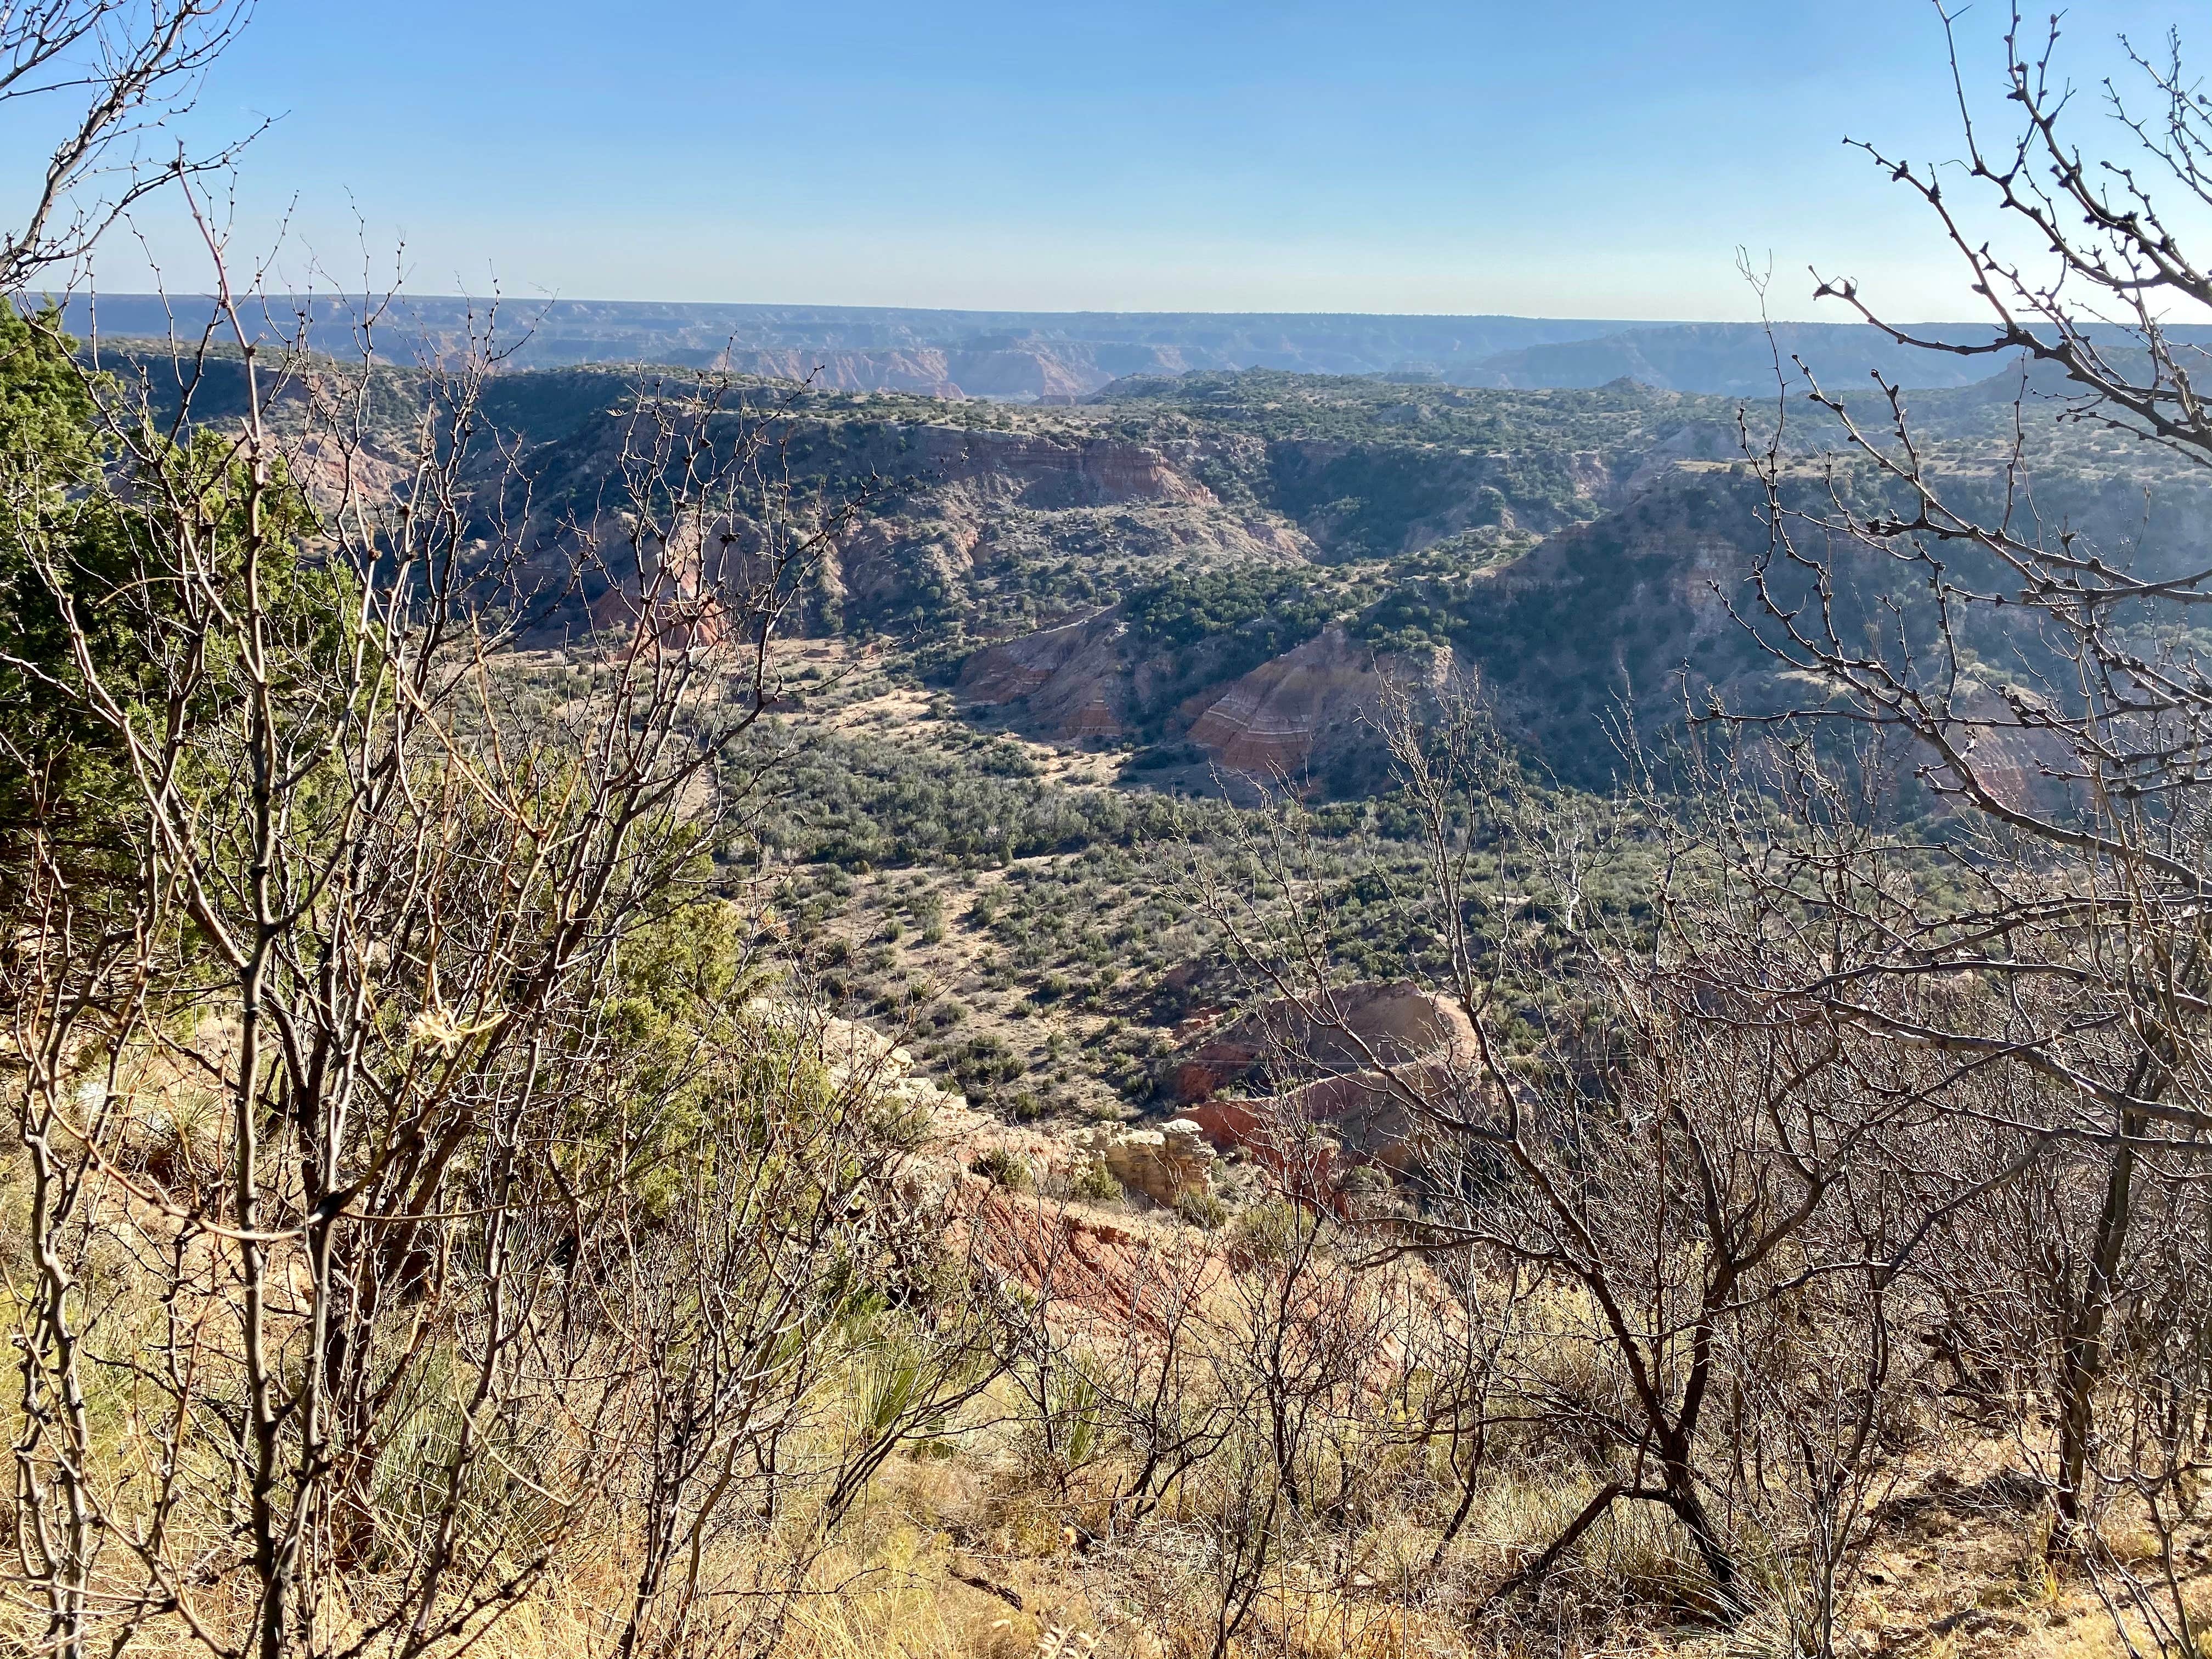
<point>930,1564</point>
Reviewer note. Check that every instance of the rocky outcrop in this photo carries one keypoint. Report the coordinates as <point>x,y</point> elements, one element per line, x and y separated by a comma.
<point>1360,1117</point>
<point>1012,671</point>
<point>1265,722</point>
<point>1163,1164</point>
<point>677,622</point>
<point>852,1055</point>
<point>1028,371</point>
<point>1351,1029</point>
<point>1331,1104</point>
<point>1074,679</point>
<point>1041,469</point>
<point>969,503</point>
<point>1118,1281</point>
<point>2011,738</point>
<point>1021,370</point>
<point>924,369</point>
<point>1277,718</point>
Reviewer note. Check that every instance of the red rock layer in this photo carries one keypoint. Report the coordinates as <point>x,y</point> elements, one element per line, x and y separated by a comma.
<point>1074,676</point>
<point>1266,721</point>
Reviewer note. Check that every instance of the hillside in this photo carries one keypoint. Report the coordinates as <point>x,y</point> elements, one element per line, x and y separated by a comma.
<point>1049,626</point>
<point>1204,572</point>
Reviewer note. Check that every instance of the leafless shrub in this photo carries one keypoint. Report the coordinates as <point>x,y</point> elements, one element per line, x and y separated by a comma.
<point>506,1221</point>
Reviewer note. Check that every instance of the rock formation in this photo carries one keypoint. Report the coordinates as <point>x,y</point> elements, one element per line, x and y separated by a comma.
<point>1041,469</point>
<point>1083,679</point>
<point>1074,679</point>
<point>1162,1164</point>
<point>1331,1103</point>
<point>1284,713</point>
<point>1355,1028</point>
<point>1357,1118</point>
<point>854,1055</point>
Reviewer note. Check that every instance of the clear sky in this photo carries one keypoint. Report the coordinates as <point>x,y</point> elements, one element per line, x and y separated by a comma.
<point>1545,157</point>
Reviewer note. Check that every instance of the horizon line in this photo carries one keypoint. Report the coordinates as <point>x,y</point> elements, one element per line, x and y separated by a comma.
<point>71,298</point>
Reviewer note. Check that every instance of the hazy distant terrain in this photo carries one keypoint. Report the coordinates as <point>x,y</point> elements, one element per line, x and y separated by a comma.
<point>1063,356</point>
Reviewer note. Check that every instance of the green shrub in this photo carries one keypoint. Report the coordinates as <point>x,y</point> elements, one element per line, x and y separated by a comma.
<point>1002,1166</point>
<point>1272,1231</point>
<point>985,1061</point>
<point>1096,1183</point>
<point>1203,1209</point>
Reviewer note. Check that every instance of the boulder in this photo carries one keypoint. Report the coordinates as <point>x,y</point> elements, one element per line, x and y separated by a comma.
<point>1162,1164</point>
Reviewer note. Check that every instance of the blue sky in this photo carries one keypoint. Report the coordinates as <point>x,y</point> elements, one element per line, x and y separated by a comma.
<point>1560,157</point>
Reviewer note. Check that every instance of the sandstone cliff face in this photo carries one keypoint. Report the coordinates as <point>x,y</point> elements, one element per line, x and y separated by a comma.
<point>1085,679</point>
<point>1266,722</point>
<point>1074,679</point>
<point>1163,1164</point>
<point>1318,1127</point>
<point>2025,766</point>
<point>922,369</point>
<point>1027,372</point>
<point>1376,500</point>
<point>947,501</point>
<point>1284,713</point>
<point>1039,469</point>
<point>972,513</point>
<point>1017,369</point>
